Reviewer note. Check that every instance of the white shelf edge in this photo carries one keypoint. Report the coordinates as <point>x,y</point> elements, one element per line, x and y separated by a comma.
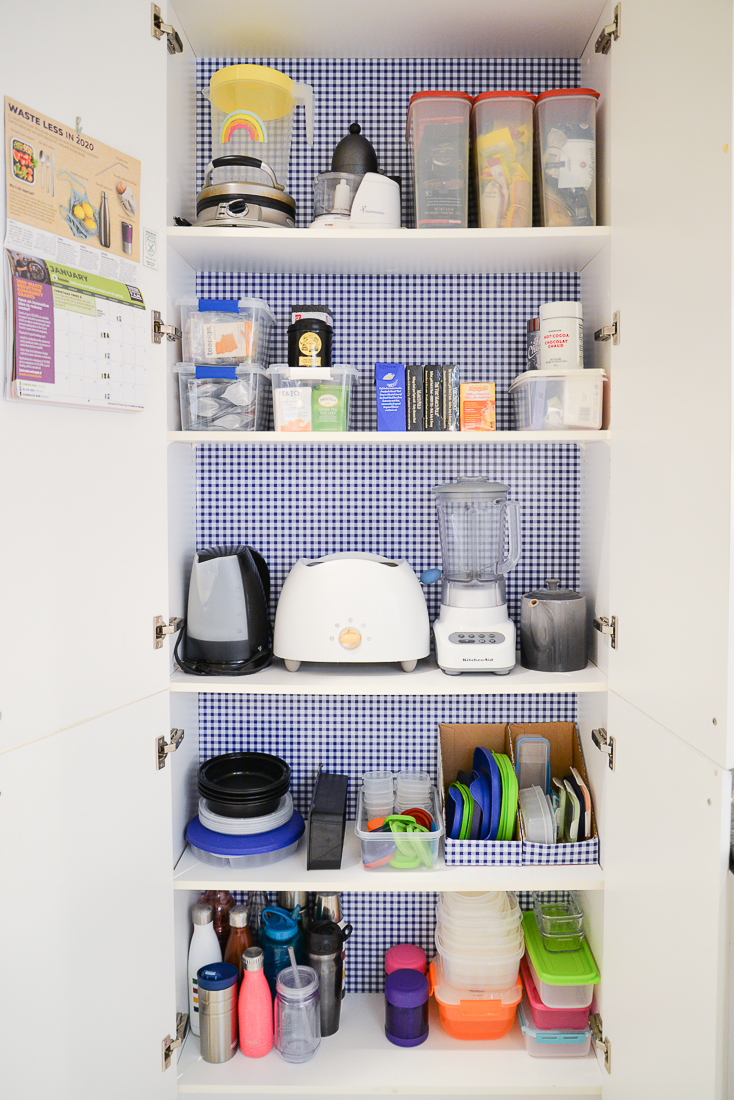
<point>291,873</point>
<point>406,439</point>
<point>359,1060</point>
<point>366,679</point>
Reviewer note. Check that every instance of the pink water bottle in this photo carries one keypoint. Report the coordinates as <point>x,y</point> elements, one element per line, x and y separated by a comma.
<point>255,1006</point>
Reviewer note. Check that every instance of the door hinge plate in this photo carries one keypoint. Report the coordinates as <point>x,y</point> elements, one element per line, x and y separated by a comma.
<point>610,33</point>
<point>164,749</point>
<point>608,627</point>
<point>169,1045</point>
<point>600,1040</point>
<point>604,743</point>
<point>159,330</point>
<point>158,28</point>
<point>610,332</point>
<point>161,629</point>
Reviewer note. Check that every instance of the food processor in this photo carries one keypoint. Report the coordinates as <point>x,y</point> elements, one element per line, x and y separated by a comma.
<point>355,193</point>
<point>473,631</point>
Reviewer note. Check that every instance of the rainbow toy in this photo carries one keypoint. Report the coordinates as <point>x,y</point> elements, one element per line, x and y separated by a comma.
<point>252,124</point>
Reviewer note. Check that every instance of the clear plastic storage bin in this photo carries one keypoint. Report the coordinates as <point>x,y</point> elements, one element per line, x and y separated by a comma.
<point>437,133</point>
<point>468,1014</point>
<point>218,332</point>
<point>502,144</point>
<point>546,401</point>
<point>217,399</point>
<point>551,1044</point>
<point>311,399</point>
<point>399,851</point>
<point>565,138</point>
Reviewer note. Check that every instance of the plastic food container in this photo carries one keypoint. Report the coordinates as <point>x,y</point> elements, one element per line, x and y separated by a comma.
<point>473,1015</point>
<point>558,401</point>
<point>243,826</point>
<point>502,143</point>
<point>565,139</point>
<point>480,972</point>
<point>216,399</point>
<point>311,399</point>
<point>243,852</point>
<point>551,1019</point>
<point>552,1044</point>
<point>405,956</point>
<point>223,331</point>
<point>399,851</point>
<point>560,920</point>
<point>563,979</point>
<point>537,817</point>
<point>437,133</point>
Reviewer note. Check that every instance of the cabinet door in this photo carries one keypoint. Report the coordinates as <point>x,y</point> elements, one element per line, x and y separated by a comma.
<point>665,861</point>
<point>87,914</point>
<point>83,492</point>
<point>670,170</point>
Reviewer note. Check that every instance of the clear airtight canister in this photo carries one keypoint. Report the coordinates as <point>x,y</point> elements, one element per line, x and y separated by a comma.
<point>561,336</point>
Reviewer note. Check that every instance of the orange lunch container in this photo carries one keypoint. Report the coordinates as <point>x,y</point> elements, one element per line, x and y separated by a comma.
<point>473,1014</point>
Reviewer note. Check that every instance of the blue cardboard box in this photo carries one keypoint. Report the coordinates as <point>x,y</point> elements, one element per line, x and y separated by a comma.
<point>391,405</point>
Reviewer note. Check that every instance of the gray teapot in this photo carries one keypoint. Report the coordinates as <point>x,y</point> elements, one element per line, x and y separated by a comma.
<point>553,630</point>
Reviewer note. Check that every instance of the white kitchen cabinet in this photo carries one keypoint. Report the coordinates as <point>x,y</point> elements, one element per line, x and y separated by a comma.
<point>89,573</point>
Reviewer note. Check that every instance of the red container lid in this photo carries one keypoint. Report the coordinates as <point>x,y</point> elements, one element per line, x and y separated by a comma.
<point>567,91</point>
<point>504,95</point>
<point>425,95</point>
<point>405,956</point>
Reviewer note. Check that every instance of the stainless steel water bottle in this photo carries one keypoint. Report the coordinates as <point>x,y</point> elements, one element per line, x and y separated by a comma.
<point>324,953</point>
<point>218,1011</point>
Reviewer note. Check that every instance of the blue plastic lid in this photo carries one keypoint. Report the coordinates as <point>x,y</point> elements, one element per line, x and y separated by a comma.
<point>278,923</point>
<point>216,372</point>
<point>220,844</point>
<point>218,305</point>
<point>216,976</point>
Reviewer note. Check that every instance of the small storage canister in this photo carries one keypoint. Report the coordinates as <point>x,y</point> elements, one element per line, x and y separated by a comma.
<point>406,1008</point>
<point>217,1011</point>
<point>310,336</point>
<point>561,336</point>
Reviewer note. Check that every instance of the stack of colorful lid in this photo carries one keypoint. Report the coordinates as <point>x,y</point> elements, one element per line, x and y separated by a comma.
<point>559,975</point>
<point>474,976</point>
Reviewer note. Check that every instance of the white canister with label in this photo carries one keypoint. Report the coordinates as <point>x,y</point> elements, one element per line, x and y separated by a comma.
<point>561,336</point>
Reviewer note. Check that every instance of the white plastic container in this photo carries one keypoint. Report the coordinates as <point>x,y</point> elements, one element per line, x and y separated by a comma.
<point>551,1044</point>
<point>561,336</point>
<point>223,398</point>
<point>311,399</point>
<point>544,401</point>
<point>475,971</point>
<point>561,996</point>
<point>537,817</point>
<point>226,336</point>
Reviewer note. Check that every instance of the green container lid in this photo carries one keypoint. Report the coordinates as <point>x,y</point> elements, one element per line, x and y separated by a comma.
<point>559,967</point>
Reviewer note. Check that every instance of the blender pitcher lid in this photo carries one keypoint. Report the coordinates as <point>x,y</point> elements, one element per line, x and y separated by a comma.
<point>471,486</point>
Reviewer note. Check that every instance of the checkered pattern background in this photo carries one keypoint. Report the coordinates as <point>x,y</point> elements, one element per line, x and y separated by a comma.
<point>374,92</point>
<point>305,501</point>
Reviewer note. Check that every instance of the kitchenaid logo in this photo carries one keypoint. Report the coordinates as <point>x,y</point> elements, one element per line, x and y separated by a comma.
<point>475,660</point>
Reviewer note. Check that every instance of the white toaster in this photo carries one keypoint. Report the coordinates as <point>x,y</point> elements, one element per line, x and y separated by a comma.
<point>351,608</point>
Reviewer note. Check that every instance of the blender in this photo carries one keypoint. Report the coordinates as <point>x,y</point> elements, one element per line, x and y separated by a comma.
<point>473,631</point>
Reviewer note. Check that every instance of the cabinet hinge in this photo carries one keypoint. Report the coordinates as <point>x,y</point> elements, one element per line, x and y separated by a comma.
<point>158,28</point>
<point>159,330</point>
<point>611,32</point>
<point>161,628</point>
<point>163,749</point>
<point>610,332</point>
<point>604,743</point>
<point>608,627</point>
<point>169,1045</point>
<point>600,1041</point>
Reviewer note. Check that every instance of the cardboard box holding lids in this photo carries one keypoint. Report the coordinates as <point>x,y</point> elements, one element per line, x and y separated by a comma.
<point>455,752</point>
<point>565,752</point>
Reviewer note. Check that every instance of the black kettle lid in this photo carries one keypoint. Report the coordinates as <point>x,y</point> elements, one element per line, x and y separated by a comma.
<point>354,153</point>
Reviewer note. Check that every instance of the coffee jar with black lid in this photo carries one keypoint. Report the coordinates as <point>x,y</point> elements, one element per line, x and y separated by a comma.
<point>310,336</point>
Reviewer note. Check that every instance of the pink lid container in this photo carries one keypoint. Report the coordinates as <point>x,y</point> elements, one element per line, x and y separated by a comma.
<point>405,956</point>
<point>551,1019</point>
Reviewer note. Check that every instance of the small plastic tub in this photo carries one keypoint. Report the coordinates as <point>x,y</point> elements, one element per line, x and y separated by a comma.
<point>437,133</point>
<point>222,398</point>
<point>551,1019</point>
<point>565,140</point>
<point>538,821</point>
<point>472,971</point>
<point>245,852</point>
<point>564,979</point>
<point>560,920</point>
<point>502,144</point>
<point>311,399</point>
<point>549,401</point>
<point>399,851</point>
<point>473,1015</point>
<point>552,1044</point>
<point>222,331</point>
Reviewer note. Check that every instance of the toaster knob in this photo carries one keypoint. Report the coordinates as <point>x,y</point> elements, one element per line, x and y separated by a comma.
<point>350,638</point>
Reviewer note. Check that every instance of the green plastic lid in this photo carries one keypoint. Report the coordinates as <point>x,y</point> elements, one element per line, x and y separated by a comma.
<point>560,967</point>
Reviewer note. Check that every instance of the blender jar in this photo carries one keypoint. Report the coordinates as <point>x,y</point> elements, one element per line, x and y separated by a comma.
<point>475,520</point>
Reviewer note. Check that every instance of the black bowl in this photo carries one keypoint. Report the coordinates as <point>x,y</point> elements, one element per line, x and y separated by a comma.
<point>244,784</point>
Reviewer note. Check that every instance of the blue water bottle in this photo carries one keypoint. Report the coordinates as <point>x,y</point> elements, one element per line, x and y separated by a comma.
<point>279,930</point>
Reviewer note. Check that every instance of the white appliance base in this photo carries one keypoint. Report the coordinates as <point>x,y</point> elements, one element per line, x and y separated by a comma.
<point>478,639</point>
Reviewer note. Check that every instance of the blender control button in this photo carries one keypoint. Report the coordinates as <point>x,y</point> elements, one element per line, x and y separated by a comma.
<point>350,638</point>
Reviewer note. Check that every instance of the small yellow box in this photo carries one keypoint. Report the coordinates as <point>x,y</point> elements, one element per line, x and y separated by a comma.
<point>477,407</point>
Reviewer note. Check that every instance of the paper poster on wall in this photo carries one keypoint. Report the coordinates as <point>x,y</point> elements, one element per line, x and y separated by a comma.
<point>74,338</point>
<point>70,197</point>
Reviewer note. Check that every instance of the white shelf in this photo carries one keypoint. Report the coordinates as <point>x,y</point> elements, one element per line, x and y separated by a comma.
<point>369,679</point>
<point>360,1061</point>
<point>406,439</point>
<point>388,251</point>
<point>291,874</point>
